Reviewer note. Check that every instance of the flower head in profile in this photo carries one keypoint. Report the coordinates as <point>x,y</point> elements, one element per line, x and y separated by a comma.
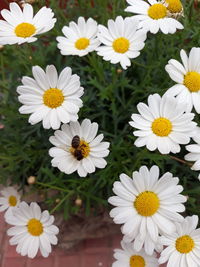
<point>187,78</point>
<point>174,8</point>
<point>77,148</point>
<point>79,38</point>
<point>163,124</point>
<point>147,206</point>
<point>50,98</point>
<point>155,15</point>
<point>33,230</point>
<point>129,257</point>
<point>183,246</point>
<point>20,26</point>
<point>121,41</point>
<point>9,200</point>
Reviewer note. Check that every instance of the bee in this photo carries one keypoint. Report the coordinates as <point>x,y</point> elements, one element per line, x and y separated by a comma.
<point>78,154</point>
<point>75,141</point>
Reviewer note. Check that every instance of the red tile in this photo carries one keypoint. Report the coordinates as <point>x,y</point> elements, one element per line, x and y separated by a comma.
<point>116,239</point>
<point>96,260</point>
<point>68,260</point>
<point>2,221</point>
<point>41,262</point>
<point>96,245</point>
<point>14,262</point>
<point>10,251</point>
<point>90,253</point>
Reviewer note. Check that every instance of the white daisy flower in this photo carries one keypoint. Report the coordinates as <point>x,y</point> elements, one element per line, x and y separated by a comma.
<point>77,148</point>
<point>183,246</point>
<point>153,16</point>
<point>49,98</point>
<point>129,257</point>
<point>10,199</point>
<point>187,77</point>
<point>21,26</point>
<point>33,230</point>
<point>194,150</point>
<point>162,124</point>
<point>174,8</point>
<point>80,39</point>
<point>147,206</point>
<point>121,41</point>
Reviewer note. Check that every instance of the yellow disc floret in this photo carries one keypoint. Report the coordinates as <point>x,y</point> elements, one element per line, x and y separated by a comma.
<point>12,201</point>
<point>184,244</point>
<point>192,81</point>
<point>137,261</point>
<point>161,127</point>
<point>53,98</point>
<point>174,6</point>
<point>157,11</point>
<point>121,45</point>
<point>25,30</point>
<point>147,203</point>
<point>82,43</point>
<point>35,227</point>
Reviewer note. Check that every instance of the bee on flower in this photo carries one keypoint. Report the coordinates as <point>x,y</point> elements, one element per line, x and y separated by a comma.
<point>77,148</point>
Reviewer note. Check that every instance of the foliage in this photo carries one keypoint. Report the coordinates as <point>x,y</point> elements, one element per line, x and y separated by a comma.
<point>111,96</point>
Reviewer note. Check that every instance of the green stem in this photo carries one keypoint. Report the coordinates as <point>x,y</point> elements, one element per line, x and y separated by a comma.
<point>181,160</point>
<point>53,187</point>
<point>59,204</point>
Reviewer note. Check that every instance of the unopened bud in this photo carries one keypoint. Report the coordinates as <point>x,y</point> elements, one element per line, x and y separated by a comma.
<point>78,202</point>
<point>119,71</point>
<point>31,179</point>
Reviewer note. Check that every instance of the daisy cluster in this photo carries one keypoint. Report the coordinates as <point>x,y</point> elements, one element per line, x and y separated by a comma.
<point>120,41</point>
<point>148,205</point>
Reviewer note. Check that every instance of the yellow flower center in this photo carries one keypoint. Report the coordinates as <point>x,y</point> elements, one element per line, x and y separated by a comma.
<point>12,201</point>
<point>157,11</point>
<point>174,6</point>
<point>121,45</point>
<point>81,151</point>
<point>35,227</point>
<point>53,98</point>
<point>82,43</point>
<point>137,261</point>
<point>161,127</point>
<point>25,30</point>
<point>192,81</point>
<point>147,203</point>
<point>184,244</point>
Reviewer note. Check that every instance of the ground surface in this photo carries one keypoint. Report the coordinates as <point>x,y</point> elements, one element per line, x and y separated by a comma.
<point>90,253</point>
